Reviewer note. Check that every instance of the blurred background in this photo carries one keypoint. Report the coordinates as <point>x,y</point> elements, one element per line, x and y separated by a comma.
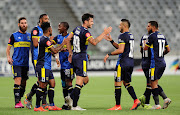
<point>106,12</point>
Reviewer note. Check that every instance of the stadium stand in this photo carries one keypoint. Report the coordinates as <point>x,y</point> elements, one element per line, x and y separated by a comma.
<point>107,13</point>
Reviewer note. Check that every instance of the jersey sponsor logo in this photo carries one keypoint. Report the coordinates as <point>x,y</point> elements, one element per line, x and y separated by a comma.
<point>88,35</point>
<point>35,32</point>
<point>48,43</point>
<point>9,40</point>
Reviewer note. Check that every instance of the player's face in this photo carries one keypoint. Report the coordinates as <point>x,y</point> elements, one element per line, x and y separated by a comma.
<point>121,26</point>
<point>61,28</point>
<point>149,28</point>
<point>23,25</point>
<point>90,23</point>
<point>45,19</point>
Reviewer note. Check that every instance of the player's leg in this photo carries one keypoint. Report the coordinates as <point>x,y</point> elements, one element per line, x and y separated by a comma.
<point>126,77</point>
<point>118,83</point>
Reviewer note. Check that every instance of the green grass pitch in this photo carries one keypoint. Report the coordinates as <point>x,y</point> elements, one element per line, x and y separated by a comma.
<point>96,97</point>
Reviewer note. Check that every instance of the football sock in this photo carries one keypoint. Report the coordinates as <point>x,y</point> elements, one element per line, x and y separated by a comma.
<point>33,90</point>
<point>76,92</point>
<point>155,93</point>
<point>131,91</point>
<point>17,93</point>
<point>70,89</point>
<point>161,92</point>
<point>118,94</point>
<point>44,96</point>
<point>22,90</point>
<point>147,94</point>
<point>51,95</point>
<point>39,94</point>
<point>65,92</point>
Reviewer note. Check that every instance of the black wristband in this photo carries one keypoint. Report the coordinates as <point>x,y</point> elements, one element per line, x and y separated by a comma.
<point>109,54</point>
<point>112,41</point>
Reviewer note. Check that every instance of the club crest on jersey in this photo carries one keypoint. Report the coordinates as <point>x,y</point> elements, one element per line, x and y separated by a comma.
<point>35,32</point>
<point>88,35</point>
<point>9,40</point>
<point>48,43</point>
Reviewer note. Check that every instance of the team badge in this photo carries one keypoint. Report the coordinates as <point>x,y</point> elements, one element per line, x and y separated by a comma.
<point>48,43</point>
<point>88,35</point>
<point>9,40</point>
<point>35,32</point>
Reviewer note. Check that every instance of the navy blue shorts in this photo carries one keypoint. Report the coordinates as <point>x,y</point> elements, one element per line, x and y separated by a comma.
<point>21,71</point>
<point>123,73</point>
<point>67,74</point>
<point>156,73</point>
<point>44,75</point>
<point>79,62</point>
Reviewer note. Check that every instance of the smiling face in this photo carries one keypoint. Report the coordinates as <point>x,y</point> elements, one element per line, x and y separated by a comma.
<point>61,28</point>
<point>89,23</point>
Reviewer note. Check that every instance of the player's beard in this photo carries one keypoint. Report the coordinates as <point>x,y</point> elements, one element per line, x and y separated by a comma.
<point>23,29</point>
<point>121,30</point>
<point>150,31</point>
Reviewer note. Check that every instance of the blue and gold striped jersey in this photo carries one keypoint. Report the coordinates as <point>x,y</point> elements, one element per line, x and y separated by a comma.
<point>126,58</point>
<point>157,42</point>
<point>63,56</point>
<point>44,56</point>
<point>21,43</point>
<point>80,39</point>
<point>36,32</point>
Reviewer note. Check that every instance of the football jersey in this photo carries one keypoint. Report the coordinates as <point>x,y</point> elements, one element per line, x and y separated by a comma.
<point>36,32</point>
<point>63,56</point>
<point>157,42</point>
<point>44,56</point>
<point>21,43</point>
<point>146,54</point>
<point>80,39</point>
<point>126,58</point>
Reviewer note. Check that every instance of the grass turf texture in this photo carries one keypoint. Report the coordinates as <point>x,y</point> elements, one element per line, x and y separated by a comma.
<point>96,97</point>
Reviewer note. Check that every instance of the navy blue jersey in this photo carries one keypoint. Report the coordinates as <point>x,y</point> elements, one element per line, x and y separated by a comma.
<point>63,56</point>
<point>44,55</point>
<point>126,58</point>
<point>80,39</point>
<point>146,54</point>
<point>21,43</point>
<point>157,42</point>
<point>36,32</point>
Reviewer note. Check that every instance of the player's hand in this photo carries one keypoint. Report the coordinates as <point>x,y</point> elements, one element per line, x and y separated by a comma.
<point>70,57</point>
<point>88,56</point>
<point>107,30</point>
<point>58,62</point>
<point>10,60</point>
<point>108,37</point>
<point>51,38</point>
<point>105,58</point>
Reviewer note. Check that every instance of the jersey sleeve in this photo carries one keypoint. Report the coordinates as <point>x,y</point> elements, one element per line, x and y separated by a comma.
<point>11,40</point>
<point>166,44</point>
<point>35,33</point>
<point>87,34</point>
<point>55,39</point>
<point>150,41</point>
<point>121,39</point>
<point>73,31</point>
<point>47,43</point>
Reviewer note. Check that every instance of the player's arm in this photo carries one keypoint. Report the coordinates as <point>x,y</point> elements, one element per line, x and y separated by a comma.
<point>116,52</point>
<point>57,49</point>
<point>54,40</point>
<point>67,41</point>
<point>100,37</point>
<point>10,43</point>
<point>35,36</point>
<point>109,38</point>
<point>167,50</point>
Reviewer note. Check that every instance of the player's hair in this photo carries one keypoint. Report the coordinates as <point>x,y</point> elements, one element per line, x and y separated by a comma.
<point>45,26</point>
<point>127,21</point>
<point>66,25</point>
<point>154,23</point>
<point>87,16</point>
<point>21,18</point>
<point>41,16</point>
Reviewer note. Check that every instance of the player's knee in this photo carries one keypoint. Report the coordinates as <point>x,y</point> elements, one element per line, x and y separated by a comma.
<point>17,80</point>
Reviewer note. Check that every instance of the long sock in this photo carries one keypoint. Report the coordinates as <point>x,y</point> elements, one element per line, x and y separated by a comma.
<point>51,95</point>
<point>161,92</point>
<point>70,89</point>
<point>155,93</point>
<point>65,92</point>
<point>147,94</point>
<point>44,96</point>
<point>17,93</point>
<point>77,91</point>
<point>131,91</point>
<point>22,90</point>
<point>39,95</point>
<point>33,91</point>
<point>118,94</point>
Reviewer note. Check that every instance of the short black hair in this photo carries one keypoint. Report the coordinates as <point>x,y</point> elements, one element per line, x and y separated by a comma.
<point>41,16</point>
<point>66,25</point>
<point>126,20</point>
<point>154,23</point>
<point>21,18</point>
<point>45,26</point>
<point>87,16</point>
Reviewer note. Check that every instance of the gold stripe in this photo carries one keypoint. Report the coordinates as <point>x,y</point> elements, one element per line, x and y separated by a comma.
<point>147,45</point>
<point>151,46</point>
<point>16,88</point>
<point>118,88</point>
<point>152,71</point>
<point>36,37</point>
<point>54,42</point>
<point>166,45</point>
<point>119,71</point>
<point>72,33</point>
<point>89,37</point>
<point>84,65</point>
<point>9,45</point>
<point>72,47</point>
<point>71,70</point>
<point>22,44</point>
<point>121,43</point>
<point>47,49</point>
<point>43,72</point>
<point>50,46</point>
<point>12,70</point>
<point>35,62</point>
